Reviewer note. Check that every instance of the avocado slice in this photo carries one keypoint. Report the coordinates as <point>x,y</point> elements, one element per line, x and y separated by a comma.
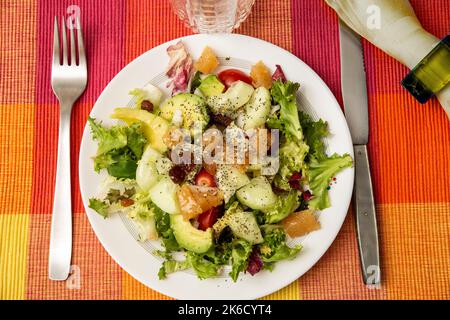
<point>192,107</point>
<point>190,238</point>
<point>211,86</point>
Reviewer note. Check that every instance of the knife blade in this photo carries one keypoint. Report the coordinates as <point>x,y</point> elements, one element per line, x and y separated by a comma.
<point>354,92</point>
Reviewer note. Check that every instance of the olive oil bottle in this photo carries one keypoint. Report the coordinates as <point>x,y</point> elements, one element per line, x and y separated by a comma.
<point>432,74</point>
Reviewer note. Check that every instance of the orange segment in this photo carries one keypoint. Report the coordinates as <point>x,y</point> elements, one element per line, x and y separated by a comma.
<point>300,223</point>
<point>188,204</point>
<point>207,197</point>
<point>207,61</point>
<point>261,75</point>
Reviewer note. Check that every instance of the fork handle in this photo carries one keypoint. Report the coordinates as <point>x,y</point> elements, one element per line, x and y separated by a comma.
<point>61,229</point>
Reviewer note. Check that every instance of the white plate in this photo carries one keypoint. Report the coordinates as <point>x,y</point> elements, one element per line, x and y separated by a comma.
<point>236,51</point>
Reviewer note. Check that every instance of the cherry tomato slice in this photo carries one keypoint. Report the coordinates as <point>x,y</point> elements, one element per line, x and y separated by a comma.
<point>203,178</point>
<point>208,218</point>
<point>228,76</point>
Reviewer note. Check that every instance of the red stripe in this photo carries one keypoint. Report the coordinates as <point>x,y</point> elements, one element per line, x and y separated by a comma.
<point>103,29</point>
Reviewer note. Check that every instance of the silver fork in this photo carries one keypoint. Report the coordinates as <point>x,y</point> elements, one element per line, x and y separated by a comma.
<point>68,83</point>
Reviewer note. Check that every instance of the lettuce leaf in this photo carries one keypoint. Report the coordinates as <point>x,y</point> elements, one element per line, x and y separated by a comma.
<point>101,207</point>
<point>119,148</point>
<point>202,267</point>
<point>320,174</point>
<point>171,266</point>
<point>293,149</point>
<point>220,254</point>
<point>108,139</point>
<point>284,93</point>
<point>239,257</point>
<point>314,132</point>
<point>274,247</point>
<point>136,140</point>
<point>165,232</point>
<point>119,163</point>
<point>291,155</point>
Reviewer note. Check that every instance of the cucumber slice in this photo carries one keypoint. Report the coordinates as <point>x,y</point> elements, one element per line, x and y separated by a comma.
<point>255,111</point>
<point>245,226</point>
<point>146,172</point>
<point>164,195</point>
<point>231,100</point>
<point>229,179</point>
<point>257,194</point>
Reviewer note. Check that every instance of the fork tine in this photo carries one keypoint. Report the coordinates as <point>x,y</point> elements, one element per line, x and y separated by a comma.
<point>56,56</point>
<point>73,58</point>
<point>81,53</point>
<point>64,42</point>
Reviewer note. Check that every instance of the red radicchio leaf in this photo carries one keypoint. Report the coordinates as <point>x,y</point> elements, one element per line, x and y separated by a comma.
<point>307,195</point>
<point>278,74</point>
<point>255,263</point>
<point>179,68</point>
<point>294,180</point>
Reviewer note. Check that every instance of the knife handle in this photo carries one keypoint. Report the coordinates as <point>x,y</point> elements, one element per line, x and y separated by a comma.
<point>366,222</point>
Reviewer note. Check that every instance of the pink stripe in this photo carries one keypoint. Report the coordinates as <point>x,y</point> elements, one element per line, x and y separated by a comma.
<point>103,29</point>
<point>315,40</point>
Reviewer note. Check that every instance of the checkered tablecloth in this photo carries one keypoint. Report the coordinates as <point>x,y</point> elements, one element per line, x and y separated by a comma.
<point>409,149</point>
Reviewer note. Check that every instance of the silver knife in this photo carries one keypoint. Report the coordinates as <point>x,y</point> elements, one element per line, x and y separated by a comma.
<point>354,92</point>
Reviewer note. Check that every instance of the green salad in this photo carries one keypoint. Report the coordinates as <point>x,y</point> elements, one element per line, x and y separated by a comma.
<point>222,172</point>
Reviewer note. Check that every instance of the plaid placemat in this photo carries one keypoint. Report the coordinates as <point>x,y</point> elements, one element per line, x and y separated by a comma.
<point>409,149</point>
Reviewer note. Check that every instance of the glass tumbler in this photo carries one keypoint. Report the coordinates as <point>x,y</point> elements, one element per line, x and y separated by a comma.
<point>212,16</point>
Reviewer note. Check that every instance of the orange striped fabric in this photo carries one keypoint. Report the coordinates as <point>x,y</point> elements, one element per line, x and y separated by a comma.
<point>409,150</point>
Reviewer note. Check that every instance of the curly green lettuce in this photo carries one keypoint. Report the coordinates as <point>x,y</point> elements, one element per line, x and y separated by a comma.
<point>284,93</point>
<point>293,149</point>
<point>221,253</point>
<point>119,148</point>
<point>314,133</point>
<point>239,257</point>
<point>108,138</point>
<point>292,159</point>
<point>303,149</point>
<point>165,232</point>
<point>274,247</point>
<point>320,174</point>
<point>171,266</point>
<point>101,207</point>
<point>203,267</point>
